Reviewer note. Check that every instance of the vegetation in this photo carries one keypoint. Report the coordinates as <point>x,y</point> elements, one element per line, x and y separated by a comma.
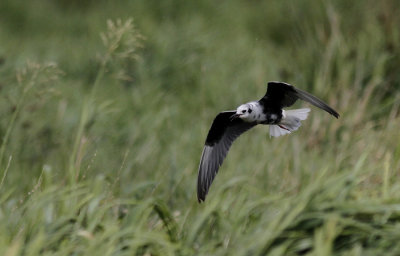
<point>103,120</point>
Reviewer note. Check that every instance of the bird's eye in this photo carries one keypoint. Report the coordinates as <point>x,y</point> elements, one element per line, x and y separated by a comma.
<point>250,110</point>
<point>243,111</point>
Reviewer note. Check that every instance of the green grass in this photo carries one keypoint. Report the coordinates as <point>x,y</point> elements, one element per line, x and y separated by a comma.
<point>101,139</point>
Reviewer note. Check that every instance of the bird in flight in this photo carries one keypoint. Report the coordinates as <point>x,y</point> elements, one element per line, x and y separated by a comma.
<point>228,125</point>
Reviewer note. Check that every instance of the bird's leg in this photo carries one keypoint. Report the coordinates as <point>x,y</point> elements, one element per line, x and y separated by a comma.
<point>283,127</point>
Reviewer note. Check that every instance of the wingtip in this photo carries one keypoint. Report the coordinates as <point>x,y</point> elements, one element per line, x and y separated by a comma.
<point>335,114</point>
<point>201,198</point>
<point>201,194</point>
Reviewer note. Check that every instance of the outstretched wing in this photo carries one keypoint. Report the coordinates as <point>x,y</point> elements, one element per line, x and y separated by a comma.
<point>222,133</point>
<point>282,95</point>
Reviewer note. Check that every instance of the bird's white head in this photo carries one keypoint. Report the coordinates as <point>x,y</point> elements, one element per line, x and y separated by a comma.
<point>244,112</point>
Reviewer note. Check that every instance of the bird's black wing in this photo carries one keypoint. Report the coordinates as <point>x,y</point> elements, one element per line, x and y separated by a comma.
<point>222,133</point>
<point>282,95</point>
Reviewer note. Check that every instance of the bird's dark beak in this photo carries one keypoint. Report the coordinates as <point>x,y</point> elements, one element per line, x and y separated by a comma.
<point>234,116</point>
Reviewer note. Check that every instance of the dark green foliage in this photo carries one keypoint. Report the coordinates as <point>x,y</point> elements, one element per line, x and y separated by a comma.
<point>103,121</point>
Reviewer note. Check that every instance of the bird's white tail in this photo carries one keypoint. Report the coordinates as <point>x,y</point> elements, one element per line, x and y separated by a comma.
<point>290,122</point>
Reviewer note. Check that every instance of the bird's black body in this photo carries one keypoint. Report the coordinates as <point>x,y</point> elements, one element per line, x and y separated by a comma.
<point>272,115</point>
<point>226,127</point>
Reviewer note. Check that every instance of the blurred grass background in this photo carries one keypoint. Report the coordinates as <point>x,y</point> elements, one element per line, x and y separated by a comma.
<point>103,121</point>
